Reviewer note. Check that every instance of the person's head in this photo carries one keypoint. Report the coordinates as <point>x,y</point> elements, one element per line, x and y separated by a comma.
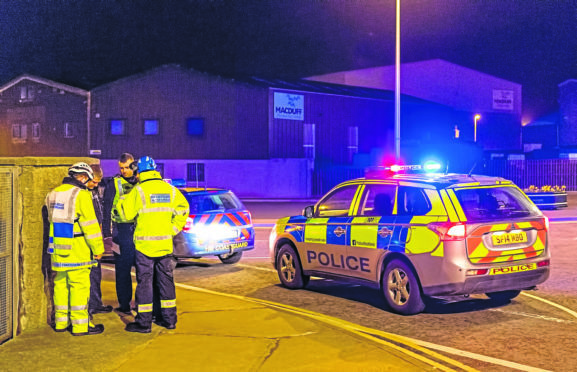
<point>97,170</point>
<point>81,172</point>
<point>145,164</point>
<point>125,165</point>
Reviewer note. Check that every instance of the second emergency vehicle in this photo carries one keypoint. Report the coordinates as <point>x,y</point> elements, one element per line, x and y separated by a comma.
<point>218,225</point>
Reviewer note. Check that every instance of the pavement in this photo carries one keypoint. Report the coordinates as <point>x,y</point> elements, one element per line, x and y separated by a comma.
<point>215,332</point>
<point>219,332</point>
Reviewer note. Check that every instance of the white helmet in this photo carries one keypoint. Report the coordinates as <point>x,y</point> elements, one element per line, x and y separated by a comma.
<point>81,168</point>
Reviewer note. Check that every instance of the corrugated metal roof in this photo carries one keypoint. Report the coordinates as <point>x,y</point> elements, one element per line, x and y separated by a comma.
<point>327,88</point>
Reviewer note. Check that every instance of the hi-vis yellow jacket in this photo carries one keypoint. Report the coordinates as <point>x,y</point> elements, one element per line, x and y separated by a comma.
<point>122,187</point>
<point>75,235</point>
<point>160,211</point>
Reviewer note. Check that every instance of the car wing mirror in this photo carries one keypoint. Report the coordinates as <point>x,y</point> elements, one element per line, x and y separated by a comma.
<point>309,211</point>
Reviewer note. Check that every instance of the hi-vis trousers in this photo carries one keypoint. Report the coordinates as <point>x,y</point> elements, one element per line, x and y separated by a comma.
<point>155,273</point>
<point>71,293</point>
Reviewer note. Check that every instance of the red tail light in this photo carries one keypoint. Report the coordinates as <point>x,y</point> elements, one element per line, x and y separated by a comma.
<point>543,263</point>
<point>449,230</point>
<point>189,222</point>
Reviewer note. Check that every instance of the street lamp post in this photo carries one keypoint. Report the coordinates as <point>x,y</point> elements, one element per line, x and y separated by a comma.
<point>477,117</point>
<point>398,81</point>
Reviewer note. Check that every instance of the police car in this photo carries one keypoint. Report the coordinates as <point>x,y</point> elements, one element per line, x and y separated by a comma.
<point>218,225</point>
<point>418,235</point>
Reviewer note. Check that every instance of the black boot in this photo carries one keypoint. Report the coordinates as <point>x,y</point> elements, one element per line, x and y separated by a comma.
<point>136,327</point>
<point>96,330</point>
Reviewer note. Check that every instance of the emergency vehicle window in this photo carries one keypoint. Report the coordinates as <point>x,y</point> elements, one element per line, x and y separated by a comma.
<point>412,201</point>
<point>337,203</point>
<point>494,203</point>
<point>377,200</point>
<point>214,202</point>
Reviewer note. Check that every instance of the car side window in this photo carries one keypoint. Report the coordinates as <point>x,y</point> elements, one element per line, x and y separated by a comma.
<point>412,201</point>
<point>337,203</point>
<point>377,200</point>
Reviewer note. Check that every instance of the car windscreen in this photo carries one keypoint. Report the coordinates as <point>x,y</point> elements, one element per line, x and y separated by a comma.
<point>495,203</point>
<point>213,202</point>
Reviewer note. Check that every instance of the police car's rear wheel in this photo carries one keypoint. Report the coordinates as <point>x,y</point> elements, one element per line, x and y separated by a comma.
<point>504,296</point>
<point>230,258</point>
<point>289,268</point>
<point>401,288</point>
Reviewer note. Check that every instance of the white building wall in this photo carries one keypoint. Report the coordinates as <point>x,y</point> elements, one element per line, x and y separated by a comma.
<point>271,179</point>
<point>437,81</point>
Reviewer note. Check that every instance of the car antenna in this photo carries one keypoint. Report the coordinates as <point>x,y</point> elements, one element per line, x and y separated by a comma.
<point>471,171</point>
<point>447,168</point>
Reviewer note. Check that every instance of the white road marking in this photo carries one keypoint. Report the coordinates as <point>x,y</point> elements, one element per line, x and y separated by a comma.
<point>560,222</point>
<point>536,316</point>
<point>561,307</point>
<point>256,267</point>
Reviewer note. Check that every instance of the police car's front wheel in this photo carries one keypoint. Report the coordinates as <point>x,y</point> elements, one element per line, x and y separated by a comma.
<point>288,267</point>
<point>401,288</point>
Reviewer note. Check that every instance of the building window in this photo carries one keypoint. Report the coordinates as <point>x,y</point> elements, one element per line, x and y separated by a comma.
<point>309,140</point>
<point>26,93</point>
<point>353,143</point>
<point>195,126</point>
<point>19,133</point>
<point>150,127</point>
<point>117,127</point>
<point>36,132</point>
<point>69,131</point>
<point>195,172</point>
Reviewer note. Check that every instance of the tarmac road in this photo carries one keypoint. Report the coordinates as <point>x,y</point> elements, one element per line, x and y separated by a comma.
<point>536,330</point>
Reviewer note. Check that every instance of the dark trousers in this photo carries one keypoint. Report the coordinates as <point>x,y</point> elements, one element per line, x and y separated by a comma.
<point>155,273</point>
<point>123,263</point>
<point>95,300</point>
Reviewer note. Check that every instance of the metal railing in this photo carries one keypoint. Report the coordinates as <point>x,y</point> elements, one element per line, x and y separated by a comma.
<point>524,173</point>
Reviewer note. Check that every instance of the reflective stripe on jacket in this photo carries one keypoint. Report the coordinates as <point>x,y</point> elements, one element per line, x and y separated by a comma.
<point>75,234</point>
<point>160,211</point>
<point>122,188</point>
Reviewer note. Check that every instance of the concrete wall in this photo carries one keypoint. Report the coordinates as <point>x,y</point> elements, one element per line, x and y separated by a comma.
<point>34,178</point>
<point>274,178</point>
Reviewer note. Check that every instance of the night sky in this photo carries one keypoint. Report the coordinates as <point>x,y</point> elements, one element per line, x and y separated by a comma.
<point>89,42</point>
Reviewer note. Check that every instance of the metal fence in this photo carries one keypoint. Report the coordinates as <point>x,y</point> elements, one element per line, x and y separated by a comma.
<point>6,253</point>
<point>524,173</point>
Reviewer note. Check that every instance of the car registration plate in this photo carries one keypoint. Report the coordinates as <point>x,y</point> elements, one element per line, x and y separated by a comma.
<point>509,238</point>
<point>513,269</point>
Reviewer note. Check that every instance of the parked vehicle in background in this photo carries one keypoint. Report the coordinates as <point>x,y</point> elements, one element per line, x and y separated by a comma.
<point>218,225</point>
